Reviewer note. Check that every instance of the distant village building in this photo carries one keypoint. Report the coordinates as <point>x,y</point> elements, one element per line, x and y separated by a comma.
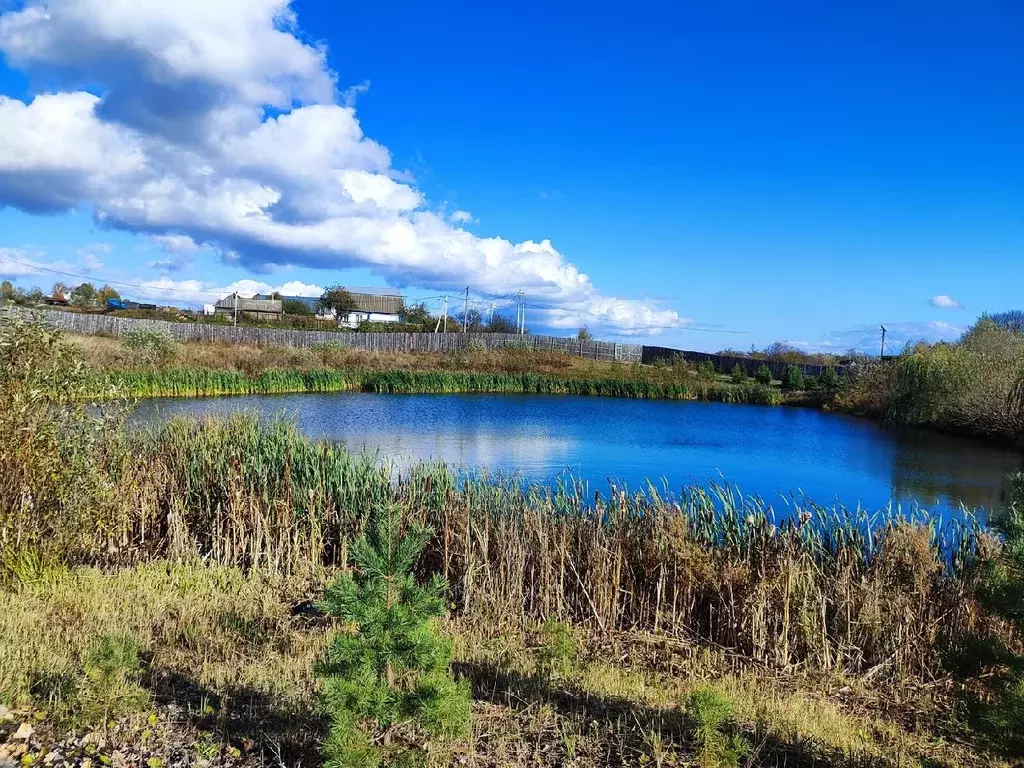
<point>257,308</point>
<point>371,305</point>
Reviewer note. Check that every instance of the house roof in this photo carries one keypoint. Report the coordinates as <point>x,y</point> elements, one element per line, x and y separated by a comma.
<point>384,303</point>
<point>258,304</point>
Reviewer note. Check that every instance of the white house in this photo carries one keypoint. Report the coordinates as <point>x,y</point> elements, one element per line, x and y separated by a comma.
<point>372,305</point>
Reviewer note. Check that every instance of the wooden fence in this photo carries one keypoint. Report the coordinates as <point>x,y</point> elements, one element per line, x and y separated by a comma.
<point>607,351</point>
<point>110,325</point>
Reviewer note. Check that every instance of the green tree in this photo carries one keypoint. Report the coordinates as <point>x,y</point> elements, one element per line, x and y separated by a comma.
<point>387,677</point>
<point>501,324</point>
<point>764,375</point>
<point>829,379</point>
<point>739,374</point>
<point>793,377</point>
<point>338,300</point>
<point>472,320</point>
<point>296,307</point>
<point>84,295</point>
<point>584,334</point>
<point>417,314</point>
<point>6,290</point>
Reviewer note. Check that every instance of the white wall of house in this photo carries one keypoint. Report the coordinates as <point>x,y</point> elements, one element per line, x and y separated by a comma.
<point>353,319</point>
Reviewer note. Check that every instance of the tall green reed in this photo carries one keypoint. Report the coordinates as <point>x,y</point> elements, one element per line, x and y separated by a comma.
<point>200,382</point>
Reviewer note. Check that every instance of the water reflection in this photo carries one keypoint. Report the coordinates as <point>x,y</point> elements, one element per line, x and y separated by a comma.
<point>932,468</point>
<point>766,451</point>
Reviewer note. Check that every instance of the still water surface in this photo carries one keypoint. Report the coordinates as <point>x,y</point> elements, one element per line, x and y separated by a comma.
<point>764,450</point>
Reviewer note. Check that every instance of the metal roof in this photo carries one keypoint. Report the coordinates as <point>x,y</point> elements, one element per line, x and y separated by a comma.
<point>384,303</point>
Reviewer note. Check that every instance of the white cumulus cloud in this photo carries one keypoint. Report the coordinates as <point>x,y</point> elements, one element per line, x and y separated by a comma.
<point>180,142</point>
<point>943,301</point>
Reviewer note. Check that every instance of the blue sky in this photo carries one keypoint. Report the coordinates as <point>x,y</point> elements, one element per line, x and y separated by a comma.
<point>796,172</point>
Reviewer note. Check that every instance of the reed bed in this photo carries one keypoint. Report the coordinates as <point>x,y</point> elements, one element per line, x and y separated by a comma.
<point>204,382</point>
<point>833,589</point>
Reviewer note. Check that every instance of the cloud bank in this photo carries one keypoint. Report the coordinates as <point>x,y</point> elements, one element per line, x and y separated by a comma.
<point>218,122</point>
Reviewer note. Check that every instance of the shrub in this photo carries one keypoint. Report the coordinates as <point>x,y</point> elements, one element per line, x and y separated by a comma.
<point>1000,718</point>
<point>706,369</point>
<point>112,667</point>
<point>975,386</point>
<point>150,346</point>
<point>556,651</point>
<point>739,373</point>
<point>793,378</point>
<point>390,676</point>
<point>764,375</point>
<point>54,490</point>
<point>829,379</point>
<point>710,711</point>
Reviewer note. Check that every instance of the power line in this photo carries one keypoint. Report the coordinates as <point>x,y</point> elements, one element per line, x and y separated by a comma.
<point>139,286</point>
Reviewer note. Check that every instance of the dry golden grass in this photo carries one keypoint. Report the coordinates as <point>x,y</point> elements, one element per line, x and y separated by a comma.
<point>235,651</point>
<point>106,352</point>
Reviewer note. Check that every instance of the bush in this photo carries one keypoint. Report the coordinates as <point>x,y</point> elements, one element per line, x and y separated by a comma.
<point>54,490</point>
<point>1000,718</point>
<point>112,667</point>
<point>151,347</point>
<point>557,650</point>
<point>793,378</point>
<point>706,369</point>
<point>739,373</point>
<point>829,379</point>
<point>764,375</point>
<point>710,711</point>
<point>974,386</point>
<point>391,674</point>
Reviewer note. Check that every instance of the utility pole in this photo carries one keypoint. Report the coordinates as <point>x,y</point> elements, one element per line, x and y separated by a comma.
<point>438,326</point>
<point>235,324</point>
<point>465,313</point>
<point>445,316</point>
<point>882,353</point>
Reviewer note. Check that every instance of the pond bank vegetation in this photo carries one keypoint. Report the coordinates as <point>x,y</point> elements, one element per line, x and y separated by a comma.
<point>160,604</point>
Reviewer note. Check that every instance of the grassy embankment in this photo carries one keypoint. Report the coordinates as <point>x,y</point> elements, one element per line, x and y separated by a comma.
<point>158,589</point>
<point>148,366</point>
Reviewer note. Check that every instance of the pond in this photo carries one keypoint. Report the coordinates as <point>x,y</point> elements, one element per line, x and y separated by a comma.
<point>771,452</point>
